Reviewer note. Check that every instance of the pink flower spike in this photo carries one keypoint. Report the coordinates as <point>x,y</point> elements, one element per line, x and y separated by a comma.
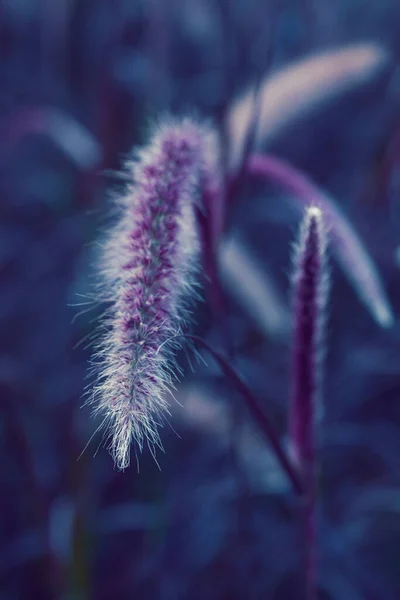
<point>147,266</point>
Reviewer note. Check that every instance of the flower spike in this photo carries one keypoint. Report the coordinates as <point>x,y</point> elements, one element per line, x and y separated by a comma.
<point>148,265</point>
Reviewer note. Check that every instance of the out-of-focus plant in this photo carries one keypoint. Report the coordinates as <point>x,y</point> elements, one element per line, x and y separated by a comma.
<point>147,262</point>
<point>79,79</point>
<point>310,291</point>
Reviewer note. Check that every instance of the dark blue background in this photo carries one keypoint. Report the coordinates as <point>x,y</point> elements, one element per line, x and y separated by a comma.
<point>79,81</point>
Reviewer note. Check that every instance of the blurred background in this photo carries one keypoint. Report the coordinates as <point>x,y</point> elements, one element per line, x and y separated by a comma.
<point>80,82</point>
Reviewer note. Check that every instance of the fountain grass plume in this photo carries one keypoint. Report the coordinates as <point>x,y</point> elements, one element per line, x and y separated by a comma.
<point>310,284</point>
<point>148,266</point>
<point>345,242</point>
<point>309,298</point>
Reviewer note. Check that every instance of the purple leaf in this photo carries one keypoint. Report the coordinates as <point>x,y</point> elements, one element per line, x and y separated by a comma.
<point>295,90</point>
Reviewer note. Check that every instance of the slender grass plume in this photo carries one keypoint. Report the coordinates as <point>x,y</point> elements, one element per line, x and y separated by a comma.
<point>349,249</point>
<point>310,289</point>
<point>310,283</point>
<point>148,266</point>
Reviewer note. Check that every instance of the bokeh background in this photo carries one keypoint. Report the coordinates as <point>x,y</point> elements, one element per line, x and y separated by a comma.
<point>80,81</point>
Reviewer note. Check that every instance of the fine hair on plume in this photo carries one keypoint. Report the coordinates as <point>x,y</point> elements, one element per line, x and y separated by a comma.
<point>147,277</point>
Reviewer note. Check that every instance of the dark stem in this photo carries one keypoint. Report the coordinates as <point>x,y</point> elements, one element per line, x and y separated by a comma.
<point>257,412</point>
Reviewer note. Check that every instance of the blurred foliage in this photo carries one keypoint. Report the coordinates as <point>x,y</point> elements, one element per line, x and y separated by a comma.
<point>79,82</point>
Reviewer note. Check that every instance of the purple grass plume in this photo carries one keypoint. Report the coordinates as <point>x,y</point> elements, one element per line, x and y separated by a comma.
<point>310,291</point>
<point>309,296</point>
<point>349,249</point>
<point>148,265</point>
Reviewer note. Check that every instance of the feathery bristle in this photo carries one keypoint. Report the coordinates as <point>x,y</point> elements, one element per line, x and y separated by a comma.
<point>148,265</point>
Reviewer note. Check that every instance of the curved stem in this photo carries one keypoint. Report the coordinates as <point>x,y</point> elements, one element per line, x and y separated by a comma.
<point>257,412</point>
